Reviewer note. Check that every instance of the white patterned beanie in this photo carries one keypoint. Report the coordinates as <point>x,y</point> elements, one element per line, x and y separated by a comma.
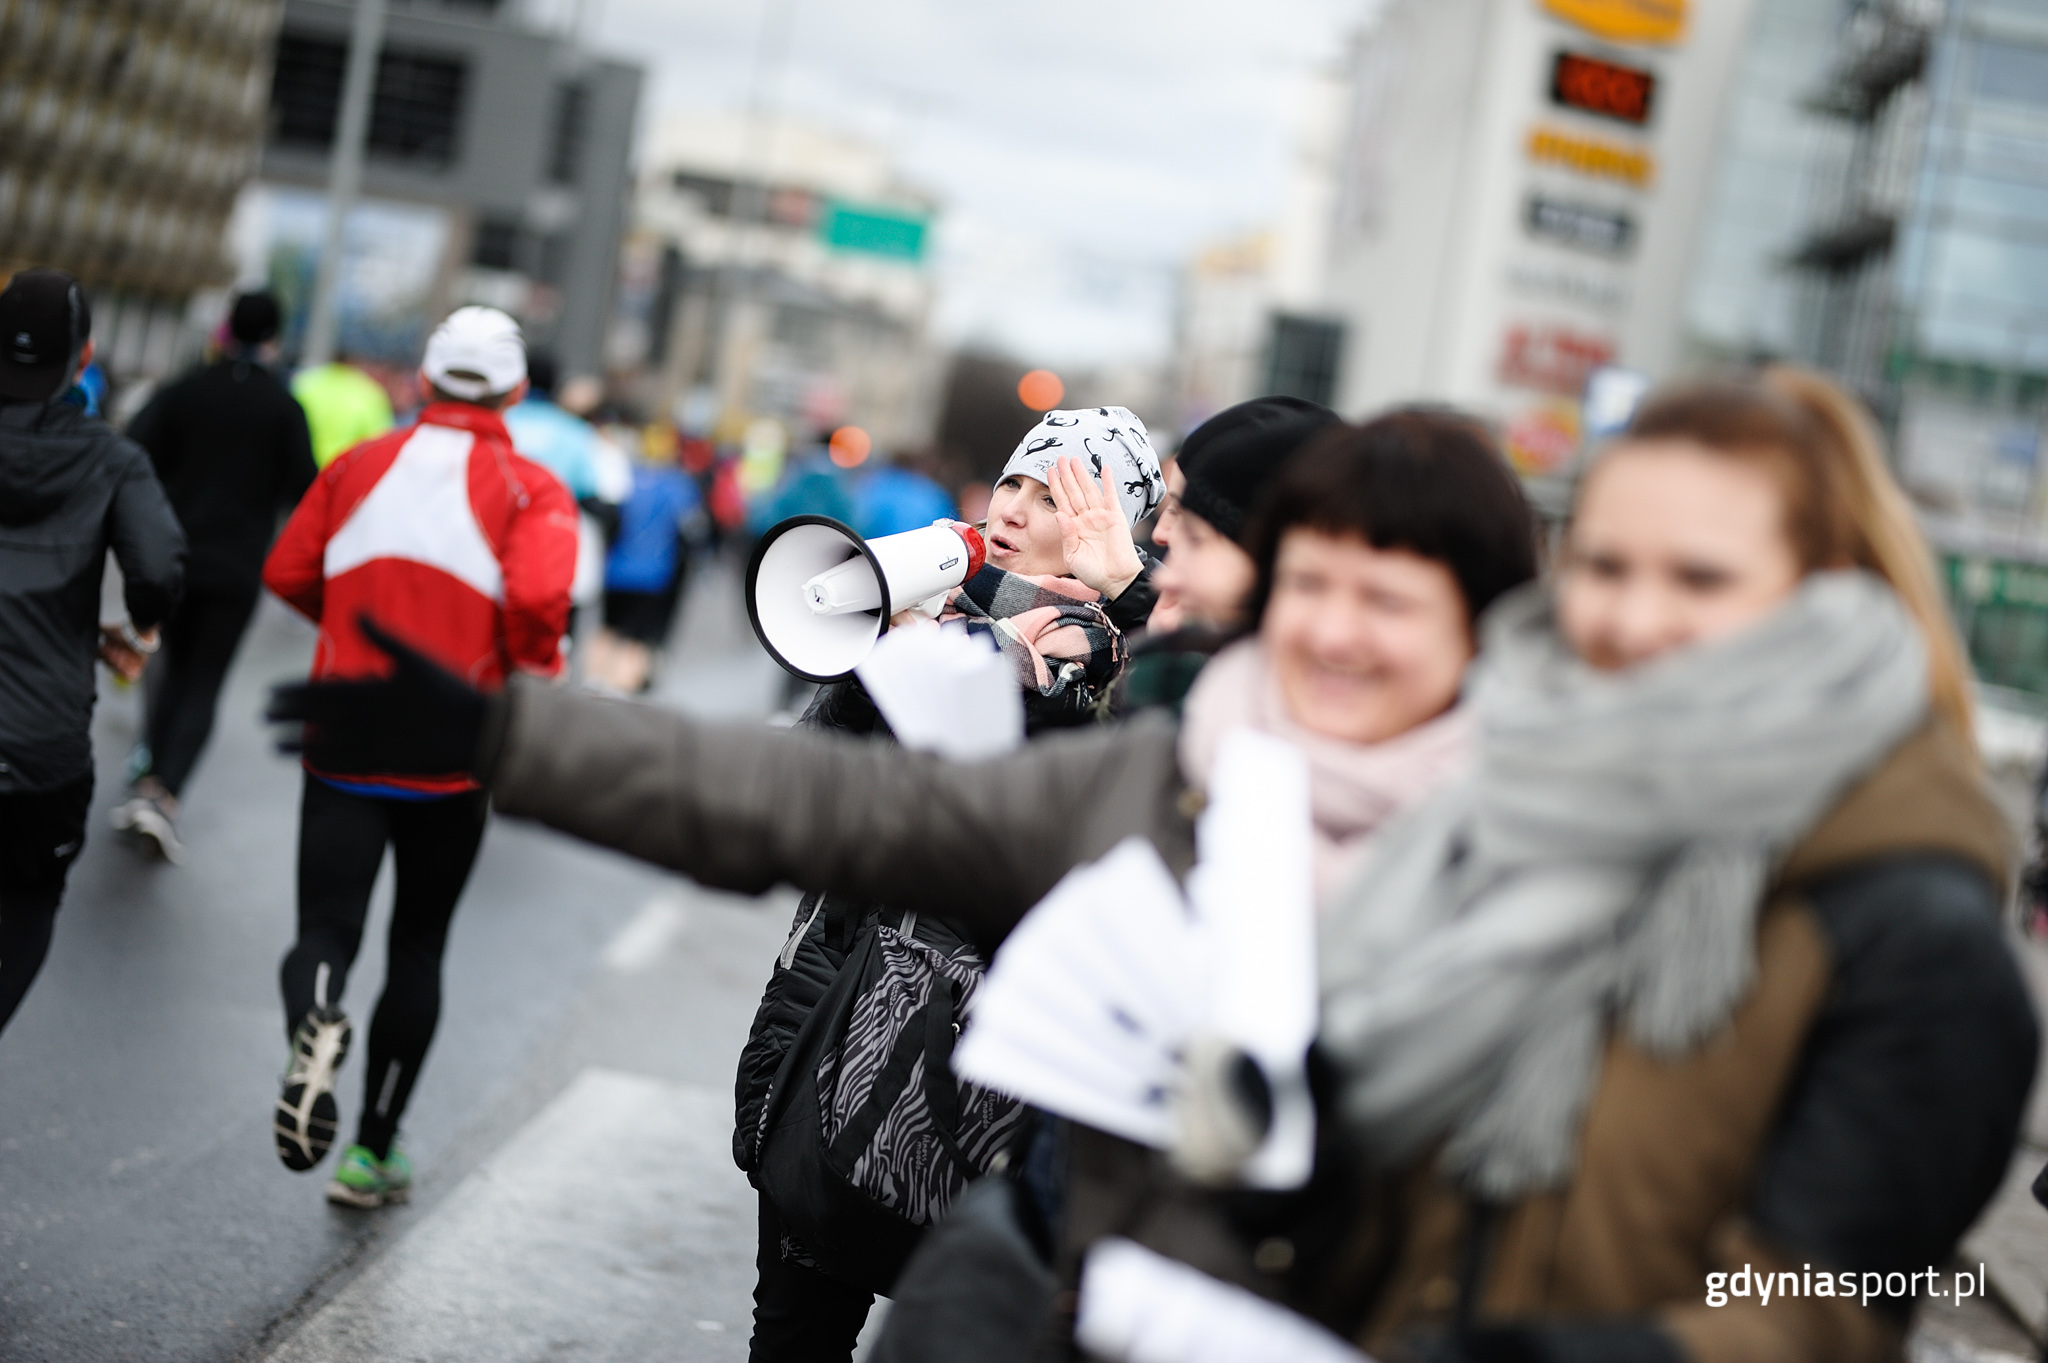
<point>1100,437</point>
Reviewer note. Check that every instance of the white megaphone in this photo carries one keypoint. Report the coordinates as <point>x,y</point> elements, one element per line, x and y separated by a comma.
<point>819,596</point>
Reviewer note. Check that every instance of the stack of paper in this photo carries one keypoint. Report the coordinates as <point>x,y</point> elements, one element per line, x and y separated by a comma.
<point>1093,999</point>
<point>1141,1307</point>
<point>945,691</point>
<point>1088,1003</point>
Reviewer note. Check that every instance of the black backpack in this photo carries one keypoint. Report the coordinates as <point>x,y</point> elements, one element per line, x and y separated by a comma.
<point>867,1137</point>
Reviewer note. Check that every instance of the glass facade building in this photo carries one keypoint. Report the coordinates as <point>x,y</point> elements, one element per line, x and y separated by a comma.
<point>1881,212</point>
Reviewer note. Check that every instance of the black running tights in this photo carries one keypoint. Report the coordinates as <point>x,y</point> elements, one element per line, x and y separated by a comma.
<point>40,834</point>
<point>342,837</point>
<point>184,682</point>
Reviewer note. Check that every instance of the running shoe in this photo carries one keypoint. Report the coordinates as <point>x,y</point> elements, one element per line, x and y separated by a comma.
<point>363,1180</point>
<point>149,823</point>
<point>306,1116</point>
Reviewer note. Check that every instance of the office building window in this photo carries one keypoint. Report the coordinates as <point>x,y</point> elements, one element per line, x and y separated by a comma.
<point>415,112</point>
<point>565,142</point>
<point>1301,359</point>
<point>305,90</point>
<point>497,244</point>
<point>716,194</point>
<point>418,107</point>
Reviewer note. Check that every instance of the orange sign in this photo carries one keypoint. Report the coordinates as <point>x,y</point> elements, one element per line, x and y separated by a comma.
<point>1591,156</point>
<point>1543,439</point>
<point>1624,21</point>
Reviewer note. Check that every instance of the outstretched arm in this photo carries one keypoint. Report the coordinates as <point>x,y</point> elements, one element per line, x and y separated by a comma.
<point>744,807</point>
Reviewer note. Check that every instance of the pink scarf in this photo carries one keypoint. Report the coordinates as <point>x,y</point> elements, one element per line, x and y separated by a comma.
<point>1353,787</point>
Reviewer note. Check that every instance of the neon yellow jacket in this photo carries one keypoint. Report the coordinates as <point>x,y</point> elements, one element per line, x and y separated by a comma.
<point>344,407</point>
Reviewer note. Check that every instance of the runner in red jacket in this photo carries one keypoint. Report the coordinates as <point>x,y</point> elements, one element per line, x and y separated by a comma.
<point>447,538</point>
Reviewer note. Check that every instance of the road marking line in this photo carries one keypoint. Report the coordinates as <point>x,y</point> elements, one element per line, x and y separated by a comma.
<point>648,936</point>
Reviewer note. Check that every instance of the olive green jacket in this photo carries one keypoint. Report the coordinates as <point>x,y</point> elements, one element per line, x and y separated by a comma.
<point>745,807</point>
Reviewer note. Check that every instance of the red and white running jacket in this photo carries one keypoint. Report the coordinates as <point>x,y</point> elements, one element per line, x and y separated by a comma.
<point>447,538</point>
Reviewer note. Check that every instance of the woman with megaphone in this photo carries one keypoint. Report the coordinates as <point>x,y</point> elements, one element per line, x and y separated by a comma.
<point>1051,578</point>
<point>1056,557</point>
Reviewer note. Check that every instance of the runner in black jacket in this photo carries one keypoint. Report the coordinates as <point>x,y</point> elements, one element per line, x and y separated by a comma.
<point>70,489</point>
<point>230,444</point>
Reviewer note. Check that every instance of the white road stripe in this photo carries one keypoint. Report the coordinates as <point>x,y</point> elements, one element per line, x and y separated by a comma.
<point>647,938</point>
<point>605,1230</point>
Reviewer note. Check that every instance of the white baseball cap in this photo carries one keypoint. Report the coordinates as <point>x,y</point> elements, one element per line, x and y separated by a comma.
<point>476,353</point>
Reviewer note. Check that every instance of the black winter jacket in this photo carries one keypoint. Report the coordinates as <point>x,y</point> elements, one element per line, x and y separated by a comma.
<point>230,446</point>
<point>70,489</point>
<point>822,931</point>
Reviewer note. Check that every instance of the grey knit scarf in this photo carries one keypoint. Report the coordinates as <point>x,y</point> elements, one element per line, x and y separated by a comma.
<point>1603,862</point>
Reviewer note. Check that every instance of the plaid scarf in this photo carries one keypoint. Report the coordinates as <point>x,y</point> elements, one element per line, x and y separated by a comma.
<point>1052,629</point>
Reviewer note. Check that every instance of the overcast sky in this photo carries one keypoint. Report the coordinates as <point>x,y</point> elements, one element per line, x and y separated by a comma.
<point>1081,148</point>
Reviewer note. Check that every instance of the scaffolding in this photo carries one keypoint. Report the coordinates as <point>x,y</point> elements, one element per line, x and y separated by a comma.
<point>1860,198</point>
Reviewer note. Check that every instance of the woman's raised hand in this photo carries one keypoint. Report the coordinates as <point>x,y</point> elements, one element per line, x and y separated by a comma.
<point>1094,535</point>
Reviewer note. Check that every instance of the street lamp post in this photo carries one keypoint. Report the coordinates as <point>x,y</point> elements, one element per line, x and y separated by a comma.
<point>344,177</point>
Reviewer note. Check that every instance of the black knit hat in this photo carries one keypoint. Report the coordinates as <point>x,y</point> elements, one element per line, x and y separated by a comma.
<point>1228,459</point>
<point>255,318</point>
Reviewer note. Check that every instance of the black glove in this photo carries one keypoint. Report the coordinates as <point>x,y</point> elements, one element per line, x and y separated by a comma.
<point>422,720</point>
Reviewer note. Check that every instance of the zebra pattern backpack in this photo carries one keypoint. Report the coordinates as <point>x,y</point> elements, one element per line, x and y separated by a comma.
<point>867,1136</point>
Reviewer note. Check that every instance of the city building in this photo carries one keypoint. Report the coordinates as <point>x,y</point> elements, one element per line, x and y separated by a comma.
<point>496,171</point>
<point>125,133</point>
<point>1519,200</point>
<point>1882,213</point>
<point>779,269</point>
<point>1252,313</point>
<point>1743,302</point>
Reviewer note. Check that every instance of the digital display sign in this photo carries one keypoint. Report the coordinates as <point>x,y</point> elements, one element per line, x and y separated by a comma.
<point>1605,88</point>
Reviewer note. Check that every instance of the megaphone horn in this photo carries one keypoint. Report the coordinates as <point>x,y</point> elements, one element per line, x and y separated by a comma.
<point>819,596</point>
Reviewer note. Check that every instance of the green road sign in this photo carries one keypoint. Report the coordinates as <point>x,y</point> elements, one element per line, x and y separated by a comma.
<point>873,231</point>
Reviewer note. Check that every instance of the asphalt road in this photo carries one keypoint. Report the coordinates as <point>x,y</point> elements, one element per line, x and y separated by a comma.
<point>143,1214</point>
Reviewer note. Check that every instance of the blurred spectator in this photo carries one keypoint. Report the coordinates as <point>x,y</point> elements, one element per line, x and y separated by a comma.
<point>344,406</point>
<point>728,501</point>
<point>892,498</point>
<point>551,436</point>
<point>811,486</point>
<point>581,395</point>
<point>1204,524</point>
<point>233,453</point>
<point>91,389</point>
<point>644,575</point>
<point>570,448</point>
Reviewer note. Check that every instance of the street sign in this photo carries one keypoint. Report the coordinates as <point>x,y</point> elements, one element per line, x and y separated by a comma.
<point>871,230</point>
